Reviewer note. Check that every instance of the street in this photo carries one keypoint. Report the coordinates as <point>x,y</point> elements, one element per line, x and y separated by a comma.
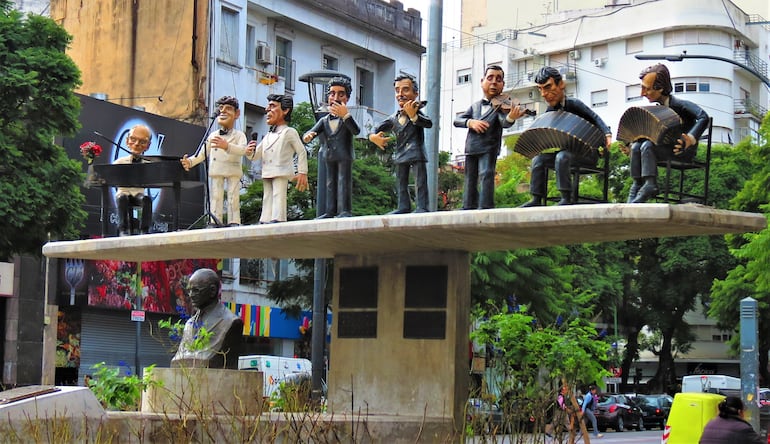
<point>628,437</point>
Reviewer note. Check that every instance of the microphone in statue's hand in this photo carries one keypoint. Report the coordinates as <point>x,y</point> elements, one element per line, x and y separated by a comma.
<point>254,136</point>
<point>215,115</point>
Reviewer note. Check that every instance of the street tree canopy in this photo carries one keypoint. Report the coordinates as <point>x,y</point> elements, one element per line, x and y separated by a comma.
<point>39,184</point>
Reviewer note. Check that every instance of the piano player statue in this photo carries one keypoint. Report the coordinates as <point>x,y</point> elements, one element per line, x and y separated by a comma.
<point>138,140</point>
<point>221,350</point>
<point>224,148</point>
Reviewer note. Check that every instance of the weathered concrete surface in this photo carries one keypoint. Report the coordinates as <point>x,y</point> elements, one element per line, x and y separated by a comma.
<point>479,230</point>
<point>217,391</point>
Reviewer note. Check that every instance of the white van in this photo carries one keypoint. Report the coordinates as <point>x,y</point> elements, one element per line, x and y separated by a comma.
<point>709,383</point>
<point>274,369</point>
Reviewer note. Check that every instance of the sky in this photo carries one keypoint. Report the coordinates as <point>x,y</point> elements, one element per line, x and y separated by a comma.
<point>451,16</point>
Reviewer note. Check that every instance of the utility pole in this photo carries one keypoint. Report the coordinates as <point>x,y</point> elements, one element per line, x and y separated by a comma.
<point>749,361</point>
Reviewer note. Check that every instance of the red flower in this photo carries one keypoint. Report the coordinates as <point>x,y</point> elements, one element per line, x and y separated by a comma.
<point>90,150</point>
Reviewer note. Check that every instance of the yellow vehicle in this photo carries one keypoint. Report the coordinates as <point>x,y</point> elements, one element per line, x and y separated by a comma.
<point>690,412</point>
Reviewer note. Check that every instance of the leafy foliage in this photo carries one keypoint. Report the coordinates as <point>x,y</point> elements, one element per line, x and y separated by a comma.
<point>39,184</point>
<point>536,358</point>
<point>117,392</point>
<point>749,276</point>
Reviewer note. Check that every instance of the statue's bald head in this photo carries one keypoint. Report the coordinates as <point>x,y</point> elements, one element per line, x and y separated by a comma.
<point>203,287</point>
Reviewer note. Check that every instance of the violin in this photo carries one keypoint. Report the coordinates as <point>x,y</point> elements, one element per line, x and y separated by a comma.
<point>503,102</point>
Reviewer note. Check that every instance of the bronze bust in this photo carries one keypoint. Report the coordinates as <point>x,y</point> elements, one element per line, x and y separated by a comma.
<point>224,346</point>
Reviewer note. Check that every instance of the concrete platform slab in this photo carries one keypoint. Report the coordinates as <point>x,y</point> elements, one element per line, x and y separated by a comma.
<point>478,230</point>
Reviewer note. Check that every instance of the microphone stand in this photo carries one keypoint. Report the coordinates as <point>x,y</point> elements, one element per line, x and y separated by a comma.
<point>207,193</point>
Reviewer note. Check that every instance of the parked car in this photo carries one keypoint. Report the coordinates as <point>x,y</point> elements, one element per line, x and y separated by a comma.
<point>618,412</point>
<point>655,409</point>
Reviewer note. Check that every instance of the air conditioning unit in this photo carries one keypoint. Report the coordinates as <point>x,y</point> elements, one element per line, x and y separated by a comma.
<point>567,73</point>
<point>598,62</point>
<point>264,54</point>
<point>574,54</point>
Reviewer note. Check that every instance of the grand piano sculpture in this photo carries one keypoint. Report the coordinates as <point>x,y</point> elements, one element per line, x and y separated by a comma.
<point>159,172</point>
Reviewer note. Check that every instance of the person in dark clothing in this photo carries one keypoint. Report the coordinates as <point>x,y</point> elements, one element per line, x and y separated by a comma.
<point>730,427</point>
<point>408,125</point>
<point>485,123</point>
<point>339,128</point>
<point>656,87</point>
<point>551,86</point>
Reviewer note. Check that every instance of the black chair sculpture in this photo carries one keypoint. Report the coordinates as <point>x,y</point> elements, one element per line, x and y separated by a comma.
<point>601,170</point>
<point>677,194</point>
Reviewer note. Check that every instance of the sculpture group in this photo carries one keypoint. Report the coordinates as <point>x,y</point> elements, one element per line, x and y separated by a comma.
<point>568,133</point>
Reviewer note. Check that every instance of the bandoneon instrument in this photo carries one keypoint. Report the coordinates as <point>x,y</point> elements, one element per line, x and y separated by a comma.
<point>659,124</point>
<point>560,130</point>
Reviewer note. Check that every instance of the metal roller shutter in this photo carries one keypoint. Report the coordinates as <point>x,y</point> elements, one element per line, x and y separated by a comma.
<point>110,336</point>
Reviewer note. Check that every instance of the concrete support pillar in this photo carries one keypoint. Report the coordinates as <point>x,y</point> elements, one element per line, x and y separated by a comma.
<point>400,335</point>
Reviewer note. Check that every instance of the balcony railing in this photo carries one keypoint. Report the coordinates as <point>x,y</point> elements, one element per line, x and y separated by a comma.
<point>748,106</point>
<point>751,60</point>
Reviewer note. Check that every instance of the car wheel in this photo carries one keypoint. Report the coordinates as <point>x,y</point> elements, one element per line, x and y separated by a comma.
<point>620,424</point>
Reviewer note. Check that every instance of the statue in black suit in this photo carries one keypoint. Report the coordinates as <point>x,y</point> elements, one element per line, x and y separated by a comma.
<point>339,128</point>
<point>551,86</point>
<point>408,125</point>
<point>656,87</point>
<point>485,121</point>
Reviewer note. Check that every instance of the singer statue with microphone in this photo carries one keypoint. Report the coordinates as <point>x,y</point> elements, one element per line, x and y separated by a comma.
<point>408,126</point>
<point>339,128</point>
<point>138,141</point>
<point>277,151</point>
<point>224,148</point>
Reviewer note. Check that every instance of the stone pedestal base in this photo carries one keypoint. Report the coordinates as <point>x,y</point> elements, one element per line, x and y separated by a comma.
<point>207,391</point>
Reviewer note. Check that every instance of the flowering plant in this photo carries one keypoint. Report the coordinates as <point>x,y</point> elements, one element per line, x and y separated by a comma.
<point>90,150</point>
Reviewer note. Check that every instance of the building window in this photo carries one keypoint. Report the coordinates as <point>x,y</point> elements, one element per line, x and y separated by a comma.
<point>599,98</point>
<point>330,63</point>
<point>284,64</point>
<point>634,45</point>
<point>697,37</point>
<point>463,76</point>
<point>228,38</point>
<point>633,93</point>
<point>692,85</point>
<point>251,46</point>
<point>365,82</point>
<point>599,52</point>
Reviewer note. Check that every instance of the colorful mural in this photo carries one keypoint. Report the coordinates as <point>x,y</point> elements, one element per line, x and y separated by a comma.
<point>272,322</point>
<point>68,339</point>
<point>113,284</point>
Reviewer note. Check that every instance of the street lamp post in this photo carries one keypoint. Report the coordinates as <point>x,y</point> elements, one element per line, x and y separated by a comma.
<point>684,55</point>
<point>317,80</point>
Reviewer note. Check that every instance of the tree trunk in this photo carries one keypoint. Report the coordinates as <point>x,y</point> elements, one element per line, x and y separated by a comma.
<point>665,378</point>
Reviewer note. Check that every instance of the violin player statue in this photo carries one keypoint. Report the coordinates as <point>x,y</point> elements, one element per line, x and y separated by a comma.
<point>485,121</point>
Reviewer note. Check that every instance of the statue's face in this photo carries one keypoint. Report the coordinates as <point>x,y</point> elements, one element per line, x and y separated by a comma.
<point>405,92</point>
<point>227,116</point>
<point>138,140</point>
<point>202,289</point>
<point>275,114</point>
<point>648,88</point>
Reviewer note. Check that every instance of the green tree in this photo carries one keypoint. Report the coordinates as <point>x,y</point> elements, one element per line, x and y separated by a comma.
<point>749,277</point>
<point>39,185</point>
<point>675,274</point>
<point>536,357</point>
